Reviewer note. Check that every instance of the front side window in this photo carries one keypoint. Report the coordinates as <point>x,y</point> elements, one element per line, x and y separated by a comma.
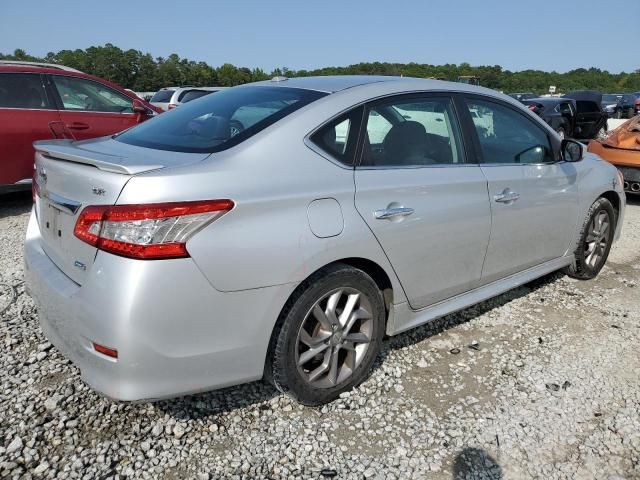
<point>412,131</point>
<point>22,90</point>
<point>220,121</point>
<point>85,95</point>
<point>566,108</point>
<point>506,136</point>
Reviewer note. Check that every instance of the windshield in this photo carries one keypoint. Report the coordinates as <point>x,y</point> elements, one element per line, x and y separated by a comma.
<point>220,121</point>
<point>610,98</point>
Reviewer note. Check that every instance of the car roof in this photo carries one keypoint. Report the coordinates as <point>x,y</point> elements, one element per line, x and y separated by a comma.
<point>212,89</point>
<point>328,84</point>
<point>20,68</point>
<point>548,99</point>
<point>337,83</point>
<point>54,66</point>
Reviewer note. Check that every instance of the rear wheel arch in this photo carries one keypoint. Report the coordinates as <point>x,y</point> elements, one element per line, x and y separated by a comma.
<point>371,268</point>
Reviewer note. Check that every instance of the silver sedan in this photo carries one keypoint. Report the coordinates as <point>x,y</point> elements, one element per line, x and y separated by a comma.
<point>186,254</point>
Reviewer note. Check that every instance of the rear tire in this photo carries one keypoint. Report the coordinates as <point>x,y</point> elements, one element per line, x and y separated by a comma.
<point>318,349</point>
<point>595,241</point>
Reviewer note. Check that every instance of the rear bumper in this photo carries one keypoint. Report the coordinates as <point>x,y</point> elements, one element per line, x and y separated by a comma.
<point>174,333</point>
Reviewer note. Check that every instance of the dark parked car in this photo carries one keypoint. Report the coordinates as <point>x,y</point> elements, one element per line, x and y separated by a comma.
<point>521,97</point>
<point>558,112</point>
<point>619,105</point>
<point>591,120</point>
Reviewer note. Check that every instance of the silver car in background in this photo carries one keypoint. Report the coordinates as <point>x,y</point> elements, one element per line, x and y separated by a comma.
<point>181,256</point>
<point>168,98</point>
<point>188,94</point>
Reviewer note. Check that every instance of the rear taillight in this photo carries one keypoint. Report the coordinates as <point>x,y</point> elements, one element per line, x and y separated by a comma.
<point>153,231</point>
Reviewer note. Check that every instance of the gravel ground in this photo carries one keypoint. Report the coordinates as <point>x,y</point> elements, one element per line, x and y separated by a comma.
<point>539,382</point>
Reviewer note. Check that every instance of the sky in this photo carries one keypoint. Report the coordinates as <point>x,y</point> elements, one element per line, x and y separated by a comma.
<point>516,34</point>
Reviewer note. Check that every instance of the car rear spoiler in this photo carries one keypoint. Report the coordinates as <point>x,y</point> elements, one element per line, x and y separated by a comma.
<point>66,150</point>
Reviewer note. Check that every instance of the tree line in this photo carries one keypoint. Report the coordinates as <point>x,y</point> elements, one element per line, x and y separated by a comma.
<point>142,72</point>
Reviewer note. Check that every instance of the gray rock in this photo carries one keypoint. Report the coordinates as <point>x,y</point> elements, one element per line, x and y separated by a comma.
<point>15,445</point>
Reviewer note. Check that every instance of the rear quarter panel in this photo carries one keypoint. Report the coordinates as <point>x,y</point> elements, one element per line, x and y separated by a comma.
<point>266,240</point>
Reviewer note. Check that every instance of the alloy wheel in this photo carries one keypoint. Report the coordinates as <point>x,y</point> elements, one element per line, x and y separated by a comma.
<point>597,238</point>
<point>334,337</point>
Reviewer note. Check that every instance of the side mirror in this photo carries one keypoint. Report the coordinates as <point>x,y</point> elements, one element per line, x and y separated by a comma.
<point>572,151</point>
<point>139,107</point>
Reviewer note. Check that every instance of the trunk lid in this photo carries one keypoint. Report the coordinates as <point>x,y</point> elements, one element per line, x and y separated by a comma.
<point>72,175</point>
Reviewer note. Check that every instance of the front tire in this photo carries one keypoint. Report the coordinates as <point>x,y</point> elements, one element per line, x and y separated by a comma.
<point>595,242</point>
<point>328,337</point>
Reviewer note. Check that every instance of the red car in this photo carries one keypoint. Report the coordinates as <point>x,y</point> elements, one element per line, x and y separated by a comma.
<point>41,101</point>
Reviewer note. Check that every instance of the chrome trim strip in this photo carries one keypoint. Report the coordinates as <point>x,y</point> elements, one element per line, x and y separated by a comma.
<point>24,181</point>
<point>61,203</point>
<point>66,111</point>
<point>30,109</point>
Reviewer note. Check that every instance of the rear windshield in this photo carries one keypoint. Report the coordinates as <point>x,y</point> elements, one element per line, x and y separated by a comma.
<point>162,96</point>
<point>220,121</point>
<point>192,95</point>
<point>611,98</point>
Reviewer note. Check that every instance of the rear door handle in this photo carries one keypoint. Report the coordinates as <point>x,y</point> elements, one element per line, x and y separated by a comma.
<point>78,126</point>
<point>392,212</point>
<point>507,196</point>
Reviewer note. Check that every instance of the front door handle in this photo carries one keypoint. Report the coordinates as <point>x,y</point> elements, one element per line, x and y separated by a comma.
<point>506,196</point>
<point>392,212</point>
<point>78,126</point>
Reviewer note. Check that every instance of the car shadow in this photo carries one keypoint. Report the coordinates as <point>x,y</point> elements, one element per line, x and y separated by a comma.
<point>472,463</point>
<point>633,199</point>
<point>222,401</point>
<point>442,324</point>
<point>209,404</point>
<point>15,203</point>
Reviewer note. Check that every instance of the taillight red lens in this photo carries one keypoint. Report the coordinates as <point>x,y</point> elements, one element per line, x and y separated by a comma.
<point>153,231</point>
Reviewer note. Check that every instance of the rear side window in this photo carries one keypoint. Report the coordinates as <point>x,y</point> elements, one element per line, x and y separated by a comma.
<point>412,132</point>
<point>339,137</point>
<point>219,121</point>
<point>22,90</point>
<point>192,95</point>
<point>506,136</point>
<point>162,96</point>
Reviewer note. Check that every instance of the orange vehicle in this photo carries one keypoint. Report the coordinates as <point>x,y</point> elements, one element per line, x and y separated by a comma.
<point>622,148</point>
